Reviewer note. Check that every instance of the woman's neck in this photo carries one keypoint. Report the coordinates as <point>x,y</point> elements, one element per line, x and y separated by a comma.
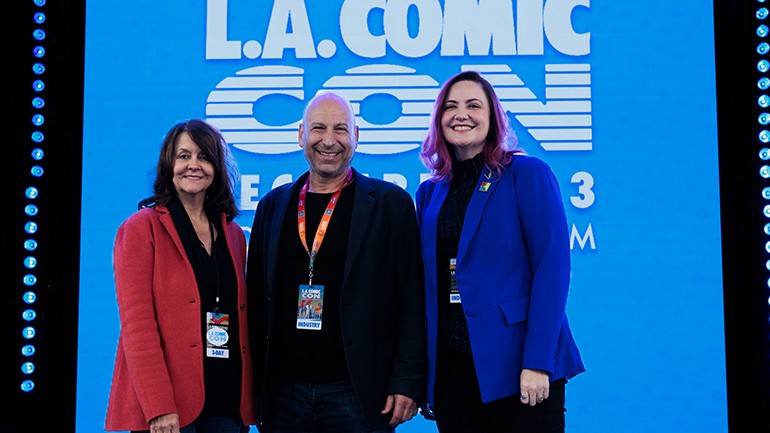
<point>194,207</point>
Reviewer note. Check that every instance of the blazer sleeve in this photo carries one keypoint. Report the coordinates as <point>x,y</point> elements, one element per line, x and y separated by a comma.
<point>544,223</point>
<point>409,365</point>
<point>133,259</point>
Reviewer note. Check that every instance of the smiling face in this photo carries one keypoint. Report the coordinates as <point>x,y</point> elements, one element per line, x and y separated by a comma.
<point>329,137</point>
<point>193,170</point>
<point>465,119</point>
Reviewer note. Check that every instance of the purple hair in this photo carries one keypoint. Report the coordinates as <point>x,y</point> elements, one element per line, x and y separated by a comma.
<point>501,142</point>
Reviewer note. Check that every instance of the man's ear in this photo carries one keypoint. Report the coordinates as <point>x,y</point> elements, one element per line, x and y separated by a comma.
<point>300,133</point>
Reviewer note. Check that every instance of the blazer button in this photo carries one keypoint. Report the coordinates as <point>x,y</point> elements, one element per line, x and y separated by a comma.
<point>470,313</point>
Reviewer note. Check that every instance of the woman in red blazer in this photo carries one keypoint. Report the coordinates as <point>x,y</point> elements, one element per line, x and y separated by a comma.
<point>183,360</point>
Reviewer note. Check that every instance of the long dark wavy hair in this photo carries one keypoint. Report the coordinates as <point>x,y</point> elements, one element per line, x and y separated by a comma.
<point>501,142</point>
<point>219,196</point>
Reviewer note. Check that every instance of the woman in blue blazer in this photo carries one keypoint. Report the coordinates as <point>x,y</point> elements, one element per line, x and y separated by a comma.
<point>495,247</point>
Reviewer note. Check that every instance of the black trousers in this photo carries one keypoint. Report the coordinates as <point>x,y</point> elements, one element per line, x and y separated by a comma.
<point>458,407</point>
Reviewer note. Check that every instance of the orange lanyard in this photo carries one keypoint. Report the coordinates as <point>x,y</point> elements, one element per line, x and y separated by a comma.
<point>322,226</point>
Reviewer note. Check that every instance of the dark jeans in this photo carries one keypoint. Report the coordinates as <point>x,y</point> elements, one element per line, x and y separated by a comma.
<point>458,407</point>
<point>213,424</point>
<point>300,407</point>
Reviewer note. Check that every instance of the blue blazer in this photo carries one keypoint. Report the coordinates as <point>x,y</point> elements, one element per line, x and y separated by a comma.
<point>513,273</point>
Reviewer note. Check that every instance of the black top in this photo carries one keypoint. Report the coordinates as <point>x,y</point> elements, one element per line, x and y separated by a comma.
<point>452,328</point>
<point>214,274</point>
<point>302,354</point>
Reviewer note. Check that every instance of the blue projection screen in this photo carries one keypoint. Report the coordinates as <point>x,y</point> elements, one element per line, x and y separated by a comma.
<point>618,97</point>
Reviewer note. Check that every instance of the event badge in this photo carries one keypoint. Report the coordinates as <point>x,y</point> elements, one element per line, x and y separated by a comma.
<point>310,307</point>
<point>216,335</point>
<point>454,291</point>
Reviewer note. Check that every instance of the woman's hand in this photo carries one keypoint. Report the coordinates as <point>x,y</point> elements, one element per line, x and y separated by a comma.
<point>534,386</point>
<point>168,423</point>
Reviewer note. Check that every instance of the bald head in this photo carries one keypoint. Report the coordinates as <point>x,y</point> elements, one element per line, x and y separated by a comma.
<point>328,136</point>
<point>329,98</point>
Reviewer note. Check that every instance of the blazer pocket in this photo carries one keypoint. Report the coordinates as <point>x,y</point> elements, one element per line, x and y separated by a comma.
<point>515,311</point>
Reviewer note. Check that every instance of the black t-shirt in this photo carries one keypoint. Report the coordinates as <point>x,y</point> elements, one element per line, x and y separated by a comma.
<point>315,356</point>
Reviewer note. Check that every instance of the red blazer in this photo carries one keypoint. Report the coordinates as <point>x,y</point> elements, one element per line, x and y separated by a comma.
<point>159,362</point>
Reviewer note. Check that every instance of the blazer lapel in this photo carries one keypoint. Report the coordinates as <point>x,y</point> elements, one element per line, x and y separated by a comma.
<point>282,205</point>
<point>363,203</point>
<point>432,209</point>
<point>485,186</point>
<point>430,227</point>
<point>168,223</point>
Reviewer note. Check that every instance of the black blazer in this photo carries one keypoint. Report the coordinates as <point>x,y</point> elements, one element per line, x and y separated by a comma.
<point>382,310</point>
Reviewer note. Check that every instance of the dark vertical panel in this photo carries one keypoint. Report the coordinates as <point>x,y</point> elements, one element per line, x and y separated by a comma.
<point>743,241</point>
<point>51,405</point>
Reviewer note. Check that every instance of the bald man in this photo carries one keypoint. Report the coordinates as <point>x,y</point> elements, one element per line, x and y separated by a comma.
<point>335,279</point>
